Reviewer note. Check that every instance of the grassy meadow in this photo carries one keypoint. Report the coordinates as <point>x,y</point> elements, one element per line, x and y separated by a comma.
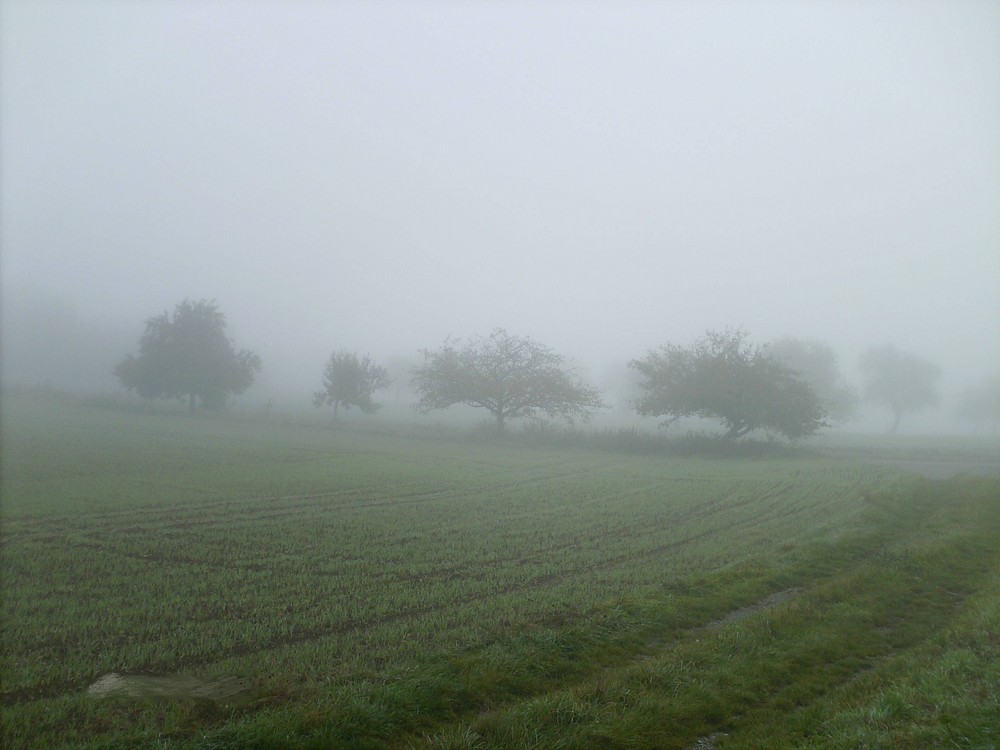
<point>375,590</point>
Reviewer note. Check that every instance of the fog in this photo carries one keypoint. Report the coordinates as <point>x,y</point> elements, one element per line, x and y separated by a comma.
<point>601,177</point>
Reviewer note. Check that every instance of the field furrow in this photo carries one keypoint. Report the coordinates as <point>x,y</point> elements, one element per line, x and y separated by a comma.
<point>341,570</point>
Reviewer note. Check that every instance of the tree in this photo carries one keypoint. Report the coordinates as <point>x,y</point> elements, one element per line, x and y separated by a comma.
<point>349,381</point>
<point>724,377</point>
<point>509,376</point>
<point>901,381</point>
<point>816,364</point>
<point>189,355</point>
<point>981,403</point>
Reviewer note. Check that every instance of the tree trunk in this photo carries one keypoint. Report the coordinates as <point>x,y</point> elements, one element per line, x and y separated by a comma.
<point>499,415</point>
<point>898,415</point>
<point>336,408</point>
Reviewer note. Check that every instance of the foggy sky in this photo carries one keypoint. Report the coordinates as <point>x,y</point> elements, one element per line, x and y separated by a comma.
<point>601,176</point>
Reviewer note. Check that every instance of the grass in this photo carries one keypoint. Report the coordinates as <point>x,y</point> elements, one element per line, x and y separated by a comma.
<point>386,590</point>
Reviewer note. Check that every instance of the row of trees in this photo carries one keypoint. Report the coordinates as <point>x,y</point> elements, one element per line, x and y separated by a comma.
<point>791,388</point>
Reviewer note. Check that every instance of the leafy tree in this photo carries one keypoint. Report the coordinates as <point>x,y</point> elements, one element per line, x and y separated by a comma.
<point>724,377</point>
<point>349,381</point>
<point>189,355</point>
<point>816,364</point>
<point>901,381</point>
<point>509,376</point>
<point>981,403</point>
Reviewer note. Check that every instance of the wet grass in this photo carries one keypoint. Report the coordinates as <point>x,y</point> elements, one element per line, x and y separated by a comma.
<point>383,590</point>
<point>893,647</point>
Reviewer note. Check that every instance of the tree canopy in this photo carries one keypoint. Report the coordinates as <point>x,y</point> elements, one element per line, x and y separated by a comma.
<point>188,355</point>
<point>509,376</point>
<point>349,381</point>
<point>902,381</point>
<point>726,378</point>
<point>816,364</point>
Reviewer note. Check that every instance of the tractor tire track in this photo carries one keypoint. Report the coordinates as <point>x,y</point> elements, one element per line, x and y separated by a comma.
<point>306,635</point>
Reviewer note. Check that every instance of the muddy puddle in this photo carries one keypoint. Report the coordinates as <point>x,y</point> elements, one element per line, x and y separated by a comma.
<point>230,690</point>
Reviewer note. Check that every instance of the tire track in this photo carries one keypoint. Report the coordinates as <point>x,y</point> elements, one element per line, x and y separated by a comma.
<point>307,635</point>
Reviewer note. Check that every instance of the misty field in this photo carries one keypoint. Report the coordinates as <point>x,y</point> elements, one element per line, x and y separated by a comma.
<point>366,589</point>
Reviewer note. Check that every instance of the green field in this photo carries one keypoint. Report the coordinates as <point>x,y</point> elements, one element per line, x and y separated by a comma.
<point>373,589</point>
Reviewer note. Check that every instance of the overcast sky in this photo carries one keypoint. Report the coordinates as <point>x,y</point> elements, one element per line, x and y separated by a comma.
<point>601,176</point>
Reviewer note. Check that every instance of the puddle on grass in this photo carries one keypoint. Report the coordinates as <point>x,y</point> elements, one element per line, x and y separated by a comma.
<point>742,613</point>
<point>230,690</point>
<point>708,741</point>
